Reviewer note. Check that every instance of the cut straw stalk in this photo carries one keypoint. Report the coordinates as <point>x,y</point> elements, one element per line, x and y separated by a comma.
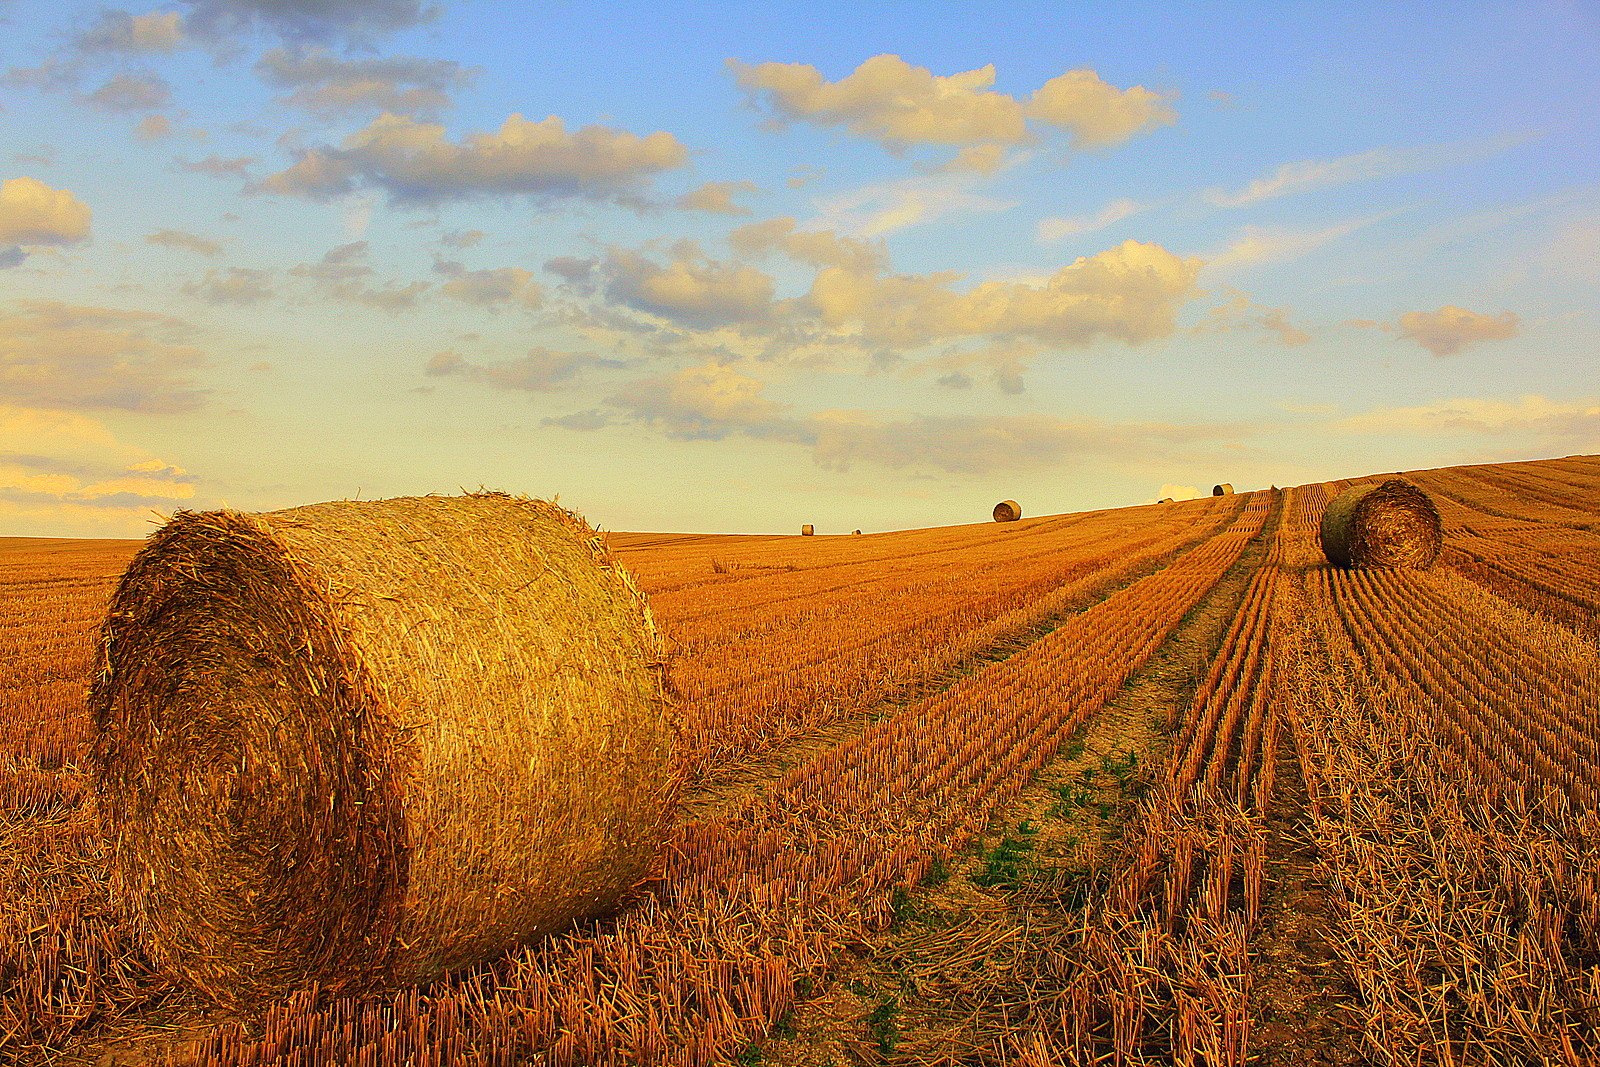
<point>365,743</point>
<point>1388,524</point>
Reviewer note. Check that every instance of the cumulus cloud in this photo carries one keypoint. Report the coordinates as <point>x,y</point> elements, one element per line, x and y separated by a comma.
<point>32,213</point>
<point>159,32</point>
<point>716,198</point>
<point>415,163</point>
<point>822,248</point>
<point>491,289</point>
<point>327,85</point>
<point>1098,114</point>
<point>1446,331</point>
<point>186,241</point>
<point>690,289</point>
<point>899,105</point>
<point>1054,229</point>
<point>540,371</point>
<point>235,285</point>
<point>355,22</point>
<point>1129,293</point>
<point>132,92</point>
<point>1311,174</point>
<point>705,402</point>
<point>65,356</point>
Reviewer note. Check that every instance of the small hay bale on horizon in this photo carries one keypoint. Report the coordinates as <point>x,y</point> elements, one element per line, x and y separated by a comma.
<point>1381,524</point>
<point>855,531</point>
<point>1007,511</point>
<point>1165,500</point>
<point>1222,489</point>
<point>364,743</point>
<point>808,530</point>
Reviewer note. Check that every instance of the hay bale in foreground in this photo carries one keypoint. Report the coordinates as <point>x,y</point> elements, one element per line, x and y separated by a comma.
<point>367,742</point>
<point>1223,489</point>
<point>1388,524</point>
<point>807,530</point>
<point>1007,511</point>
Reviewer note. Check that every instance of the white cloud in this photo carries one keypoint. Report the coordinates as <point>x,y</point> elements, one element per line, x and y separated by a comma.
<point>1559,420</point>
<point>874,210</point>
<point>1310,174</point>
<point>31,212</point>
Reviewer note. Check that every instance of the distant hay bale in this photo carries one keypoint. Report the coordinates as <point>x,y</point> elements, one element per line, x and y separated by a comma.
<point>1166,500</point>
<point>1388,524</point>
<point>368,742</point>
<point>1007,511</point>
<point>1224,489</point>
<point>807,530</point>
<point>855,531</point>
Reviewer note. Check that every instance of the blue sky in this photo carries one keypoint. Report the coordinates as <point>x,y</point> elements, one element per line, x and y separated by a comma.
<point>717,268</point>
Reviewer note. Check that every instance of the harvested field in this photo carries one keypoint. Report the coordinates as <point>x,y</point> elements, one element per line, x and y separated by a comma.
<point>1148,785</point>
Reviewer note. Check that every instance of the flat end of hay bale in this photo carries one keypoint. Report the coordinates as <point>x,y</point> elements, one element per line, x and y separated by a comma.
<point>1381,524</point>
<point>362,743</point>
<point>1007,511</point>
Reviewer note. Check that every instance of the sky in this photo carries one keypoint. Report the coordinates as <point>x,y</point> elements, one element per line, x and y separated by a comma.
<point>735,268</point>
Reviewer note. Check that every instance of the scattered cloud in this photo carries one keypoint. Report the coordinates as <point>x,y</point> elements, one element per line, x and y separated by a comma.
<point>341,274</point>
<point>64,356</point>
<point>883,207</point>
<point>540,371</point>
<point>823,248</point>
<point>1446,331</point>
<point>153,128</point>
<point>690,289</point>
<point>461,238</point>
<point>415,163</point>
<point>219,167</point>
<point>327,85</point>
<point>158,33</point>
<point>492,289</point>
<point>1564,422</point>
<point>593,419</point>
<point>706,402</point>
<point>984,159</point>
<point>1054,229</point>
<point>132,92</point>
<point>1311,174</point>
<point>716,198</point>
<point>1256,245</point>
<point>359,23</point>
<point>1177,492</point>
<point>899,105</point>
<point>186,241</point>
<point>235,285</point>
<point>1240,313</point>
<point>571,268</point>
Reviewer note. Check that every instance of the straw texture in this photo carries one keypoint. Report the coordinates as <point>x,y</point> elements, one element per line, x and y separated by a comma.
<point>1389,524</point>
<point>1007,511</point>
<point>1222,489</point>
<point>369,742</point>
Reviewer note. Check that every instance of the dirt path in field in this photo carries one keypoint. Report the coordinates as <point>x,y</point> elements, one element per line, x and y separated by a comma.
<point>945,986</point>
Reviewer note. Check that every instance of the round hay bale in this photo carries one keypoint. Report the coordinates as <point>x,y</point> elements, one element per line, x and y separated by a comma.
<point>1388,524</point>
<point>855,531</point>
<point>1166,500</point>
<point>1224,489</point>
<point>368,742</point>
<point>1007,511</point>
<point>807,530</point>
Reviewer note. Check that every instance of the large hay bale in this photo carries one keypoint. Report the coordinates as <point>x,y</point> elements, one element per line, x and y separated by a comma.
<point>1007,511</point>
<point>1222,489</point>
<point>367,742</point>
<point>1388,524</point>
<point>807,530</point>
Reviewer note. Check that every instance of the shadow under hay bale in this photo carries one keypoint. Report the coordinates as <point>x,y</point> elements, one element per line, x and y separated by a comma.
<point>1007,511</point>
<point>368,742</point>
<point>1223,489</point>
<point>1388,524</point>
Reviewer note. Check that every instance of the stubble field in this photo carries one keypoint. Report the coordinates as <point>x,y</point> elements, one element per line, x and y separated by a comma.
<point>1148,785</point>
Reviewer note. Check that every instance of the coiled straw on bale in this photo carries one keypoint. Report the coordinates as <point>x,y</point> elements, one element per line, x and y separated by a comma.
<point>1007,511</point>
<point>1388,524</point>
<point>367,742</point>
<point>1223,489</point>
